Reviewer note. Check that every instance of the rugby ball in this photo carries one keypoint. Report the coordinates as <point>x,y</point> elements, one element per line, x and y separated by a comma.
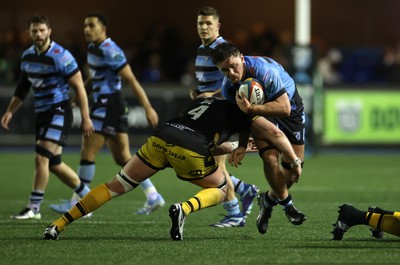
<point>253,91</point>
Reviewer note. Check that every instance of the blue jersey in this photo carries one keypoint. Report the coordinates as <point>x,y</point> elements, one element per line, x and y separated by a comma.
<point>208,76</point>
<point>105,61</point>
<point>47,73</point>
<point>274,79</point>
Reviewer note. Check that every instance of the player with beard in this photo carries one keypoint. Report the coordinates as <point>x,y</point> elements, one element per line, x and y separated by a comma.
<point>50,70</point>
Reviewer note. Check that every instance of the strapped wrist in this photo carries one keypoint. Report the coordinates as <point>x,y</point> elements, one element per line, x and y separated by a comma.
<point>234,145</point>
<point>296,162</point>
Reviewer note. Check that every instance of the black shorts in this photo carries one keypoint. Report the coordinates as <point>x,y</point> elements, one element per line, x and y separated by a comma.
<point>293,126</point>
<point>55,124</point>
<point>110,115</point>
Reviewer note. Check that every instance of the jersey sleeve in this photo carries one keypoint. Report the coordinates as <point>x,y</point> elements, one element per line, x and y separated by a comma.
<point>23,86</point>
<point>272,83</point>
<point>115,58</point>
<point>67,64</point>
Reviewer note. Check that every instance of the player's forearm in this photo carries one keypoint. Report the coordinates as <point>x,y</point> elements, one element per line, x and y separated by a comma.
<point>84,106</point>
<point>80,94</point>
<point>15,104</point>
<point>82,101</point>
<point>141,95</point>
<point>223,149</point>
<point>270,109</point>
<point>282,143</point>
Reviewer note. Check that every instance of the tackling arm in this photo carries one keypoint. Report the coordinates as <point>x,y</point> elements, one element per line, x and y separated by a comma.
<point>263,130</point>
<point>280,107</point>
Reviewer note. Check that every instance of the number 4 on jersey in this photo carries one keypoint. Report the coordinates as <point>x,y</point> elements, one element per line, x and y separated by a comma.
<point>197,112</point>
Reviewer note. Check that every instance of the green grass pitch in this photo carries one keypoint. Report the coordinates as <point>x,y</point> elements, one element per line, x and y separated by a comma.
<point>114,235</point>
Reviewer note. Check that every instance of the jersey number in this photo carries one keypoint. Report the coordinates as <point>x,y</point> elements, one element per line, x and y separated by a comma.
<point>197,112</point>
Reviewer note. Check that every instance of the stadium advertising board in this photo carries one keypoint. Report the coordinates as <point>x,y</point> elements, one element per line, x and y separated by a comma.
<point>361,117</point>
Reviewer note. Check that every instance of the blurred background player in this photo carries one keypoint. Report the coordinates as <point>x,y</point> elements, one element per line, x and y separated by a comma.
<point>378,219</point>
<point>49,70</point>
<point>283,107</point>
<point>209,80</point>
<point>107,65</point>
<point>186,143</point>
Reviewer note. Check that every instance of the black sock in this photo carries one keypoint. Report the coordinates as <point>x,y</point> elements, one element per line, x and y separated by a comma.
<point>382,211</point>
<point>358,217</point>
<point>269,201</point>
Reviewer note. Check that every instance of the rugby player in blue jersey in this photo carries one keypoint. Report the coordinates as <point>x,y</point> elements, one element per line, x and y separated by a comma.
<point>283,107</point>
<point>50,71</point>
<point>186,143</point>
<point>108,66</point>
<point>209,80</point>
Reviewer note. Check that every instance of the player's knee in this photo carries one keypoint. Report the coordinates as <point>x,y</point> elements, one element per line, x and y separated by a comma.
<point>127,182</point>
<point>55,160</point>
<point>40,150</point>
<point>120,161</point>
<point>261,151</point>
<point>223,186</point>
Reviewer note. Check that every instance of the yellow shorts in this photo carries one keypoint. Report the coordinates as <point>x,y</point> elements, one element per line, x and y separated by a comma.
<point>188,165</point>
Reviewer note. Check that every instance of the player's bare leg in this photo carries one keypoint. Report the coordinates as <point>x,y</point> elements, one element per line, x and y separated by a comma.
<point>279,181</point>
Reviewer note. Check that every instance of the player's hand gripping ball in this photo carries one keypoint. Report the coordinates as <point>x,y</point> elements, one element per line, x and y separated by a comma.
<point>253,91</point>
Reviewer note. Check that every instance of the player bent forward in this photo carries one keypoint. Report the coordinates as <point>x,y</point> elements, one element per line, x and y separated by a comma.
<point>187,144</point>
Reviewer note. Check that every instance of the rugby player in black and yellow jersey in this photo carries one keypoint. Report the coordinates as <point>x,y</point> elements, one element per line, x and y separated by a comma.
<point>187,144</point>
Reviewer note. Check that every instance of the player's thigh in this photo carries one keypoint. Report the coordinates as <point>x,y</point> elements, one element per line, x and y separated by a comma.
<point>190,165</point>
<point>119,147</point>
<point>220,160</point>
<point>137,170</point>
<point>91,145</point>
<point>50,146</point>
<point>215,180</point>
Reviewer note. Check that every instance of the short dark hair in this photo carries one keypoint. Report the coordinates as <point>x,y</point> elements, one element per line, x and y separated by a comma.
<point>223,51</point>
<point>100,16</point>
<point>208,11</point>
<point>38,19</point>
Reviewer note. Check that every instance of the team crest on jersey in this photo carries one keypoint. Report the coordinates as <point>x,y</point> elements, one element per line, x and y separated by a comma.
<point>64,59</point>
<point>57,51</point>
<point>117,57</point>
<point>270,87</point>
<point>69,65</point>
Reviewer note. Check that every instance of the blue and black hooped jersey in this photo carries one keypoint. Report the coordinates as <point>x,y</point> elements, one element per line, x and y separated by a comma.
<point>208,76</point>
<point>105,61</point>
<point>47,73</point>
<point>273,77</point>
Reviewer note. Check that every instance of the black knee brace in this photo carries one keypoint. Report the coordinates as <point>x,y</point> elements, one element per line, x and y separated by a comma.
<point>55,160</point>
<point>264,149</point>
<point>43,151</point>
